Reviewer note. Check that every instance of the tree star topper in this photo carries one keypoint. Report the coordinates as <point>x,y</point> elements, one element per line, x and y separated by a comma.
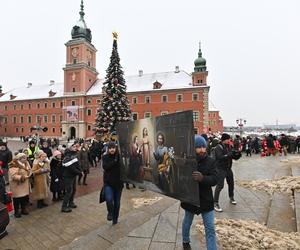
<point>115,35</point>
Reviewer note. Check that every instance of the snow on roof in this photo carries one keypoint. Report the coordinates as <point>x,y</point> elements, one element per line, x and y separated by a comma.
<point>212,107</point>
<point>34,92</point>
<point>135,83</point>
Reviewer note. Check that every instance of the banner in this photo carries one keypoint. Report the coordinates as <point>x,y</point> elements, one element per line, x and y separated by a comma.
<point>72,113</point>
<point>159,154</point>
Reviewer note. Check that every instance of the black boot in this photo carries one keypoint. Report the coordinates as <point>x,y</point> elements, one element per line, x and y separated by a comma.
<point>39,204</point>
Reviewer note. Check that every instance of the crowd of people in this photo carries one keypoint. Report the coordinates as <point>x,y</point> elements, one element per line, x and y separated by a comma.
<point>38,168</point>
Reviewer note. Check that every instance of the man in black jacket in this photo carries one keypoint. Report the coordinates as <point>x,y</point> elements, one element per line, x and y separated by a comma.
<point>224,155</point>
<point>71,170</point>
<point>206,176</point>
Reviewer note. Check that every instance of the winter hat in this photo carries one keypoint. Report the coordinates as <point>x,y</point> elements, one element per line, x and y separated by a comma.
<point>200,142</point>
<point>111,144</point>
<point>225,137</point>
<point>56,153</point>
<point>2,143</point>
<point>20,155</point>
<point>205,137</point>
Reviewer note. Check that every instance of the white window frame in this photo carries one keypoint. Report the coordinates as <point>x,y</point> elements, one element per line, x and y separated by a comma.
<point>164,112</point>
<point>146,97</point>
<point>162,98</point>
<point>177,95</point>
<point>197,94</point>
<point>136,100</point>
<point>195,115</point>
<point>137,115</point>
<point>148,116</point>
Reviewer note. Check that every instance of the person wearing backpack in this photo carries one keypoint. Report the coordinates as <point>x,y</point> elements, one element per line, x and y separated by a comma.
<point>223,155</point>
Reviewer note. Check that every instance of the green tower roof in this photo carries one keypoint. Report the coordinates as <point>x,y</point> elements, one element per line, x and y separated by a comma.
<point>80,30</point>
<point>200,62</point>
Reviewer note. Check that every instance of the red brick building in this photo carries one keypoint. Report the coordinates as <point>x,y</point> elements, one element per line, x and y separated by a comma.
<point>68,109</point>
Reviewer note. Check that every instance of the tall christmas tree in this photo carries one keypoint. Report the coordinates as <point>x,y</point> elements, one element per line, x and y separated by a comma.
<point>114,105</point>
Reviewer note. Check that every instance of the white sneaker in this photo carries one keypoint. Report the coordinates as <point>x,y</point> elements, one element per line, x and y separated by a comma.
<point>232,201</point>
<point>218,208</point>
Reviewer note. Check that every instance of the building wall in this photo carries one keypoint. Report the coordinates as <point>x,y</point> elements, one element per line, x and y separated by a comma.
<point>215,122</point>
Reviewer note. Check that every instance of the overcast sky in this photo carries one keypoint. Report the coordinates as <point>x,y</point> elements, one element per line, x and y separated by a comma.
<point>252,47</point>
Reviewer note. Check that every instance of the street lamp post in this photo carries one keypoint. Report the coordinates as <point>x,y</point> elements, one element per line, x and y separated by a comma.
<point>241,122</point>
<point>38,128</point>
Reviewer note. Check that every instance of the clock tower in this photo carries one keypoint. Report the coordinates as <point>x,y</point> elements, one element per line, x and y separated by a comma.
<point>80,71</point>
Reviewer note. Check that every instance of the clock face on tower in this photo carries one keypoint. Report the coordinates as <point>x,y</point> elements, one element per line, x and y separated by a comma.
<point>74,52</point>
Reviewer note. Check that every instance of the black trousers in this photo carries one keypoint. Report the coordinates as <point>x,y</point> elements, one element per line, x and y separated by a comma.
<point>70,190</point>
<point>20,202</point>
<point>222,175</point>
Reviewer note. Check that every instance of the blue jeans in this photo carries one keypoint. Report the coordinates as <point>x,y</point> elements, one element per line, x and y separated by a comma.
<point>113,199</point>
<point>209,226</point>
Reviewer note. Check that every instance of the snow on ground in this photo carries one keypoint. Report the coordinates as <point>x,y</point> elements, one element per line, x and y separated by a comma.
<point>281,185</point>
<point>139,202</point>
<point>244,234</point>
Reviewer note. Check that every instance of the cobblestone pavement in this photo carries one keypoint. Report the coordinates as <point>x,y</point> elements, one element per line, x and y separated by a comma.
<point>149,227</point>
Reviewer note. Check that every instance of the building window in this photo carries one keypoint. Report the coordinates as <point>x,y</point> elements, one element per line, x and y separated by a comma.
<point>89,101</point>
<point>195,97</point>
<point>147,115</point>
<point>60,118</point>
<point>74,61</point>
<point>195,131</point>
<point>179,98</point>
<point>38,119</point>
<point>147,99</point>
<point>98,101</point>
<point>22,130</point>
<point>60,130</point>
<point>14,119</point>
<point>21,119</point>
<point>164,98</point>
<point>199,81</point>
<point>135,116</point>
<point>46,105</point>
<point>73,103</point>
<point>163,112</point>
<point>89,127</point>
<point>5,130</point>
<point>134,100</point>
<point>22,106</point>
<point>45,118</point>
<point>61,104</point>
<point>196,116</point>
<point>29,119</point>
<point>53,104</point>
<point>15,106</point>
<point>38,105</point>
<point>5,107</point>
<point>89,112</point>
<point>53,118</point>
<point>89,63</point>
<point>17,130</point>
<point>53,130</point>
<point>73,90</point>
<point>29,105</point>
<point>5,120</point>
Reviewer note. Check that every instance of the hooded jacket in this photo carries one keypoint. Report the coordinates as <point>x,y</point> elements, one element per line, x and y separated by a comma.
<point>70,163</point>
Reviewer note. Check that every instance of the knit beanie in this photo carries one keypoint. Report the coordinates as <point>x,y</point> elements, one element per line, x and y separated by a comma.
<point>225,137</point>
<point>200,142</point>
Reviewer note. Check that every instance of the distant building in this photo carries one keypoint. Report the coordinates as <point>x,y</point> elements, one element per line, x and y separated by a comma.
<point>280,127</point>
<point>68,109</point>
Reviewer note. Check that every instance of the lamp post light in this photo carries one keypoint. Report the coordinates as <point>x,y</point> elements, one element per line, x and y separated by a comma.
<point>241,123</point>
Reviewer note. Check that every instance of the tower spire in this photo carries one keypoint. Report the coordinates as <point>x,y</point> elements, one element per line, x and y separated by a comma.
<point>200,52</point>
<point>81,10</point>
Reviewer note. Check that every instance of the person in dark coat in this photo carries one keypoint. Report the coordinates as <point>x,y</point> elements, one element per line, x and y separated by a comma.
<point>45,147</point>
<point>206,176</point>
<point>85,162</point>
<point>224,155</point>
<point>56,174</point>
<point>112,182</point>
<point>71,169</point>
<point>5,157</point>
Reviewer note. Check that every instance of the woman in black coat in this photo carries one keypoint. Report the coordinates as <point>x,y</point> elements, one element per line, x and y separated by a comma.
<point>56,174</point>
<point>112,182</point>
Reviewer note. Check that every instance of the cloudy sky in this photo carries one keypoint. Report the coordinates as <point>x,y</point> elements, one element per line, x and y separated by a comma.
<point>252,47</point>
